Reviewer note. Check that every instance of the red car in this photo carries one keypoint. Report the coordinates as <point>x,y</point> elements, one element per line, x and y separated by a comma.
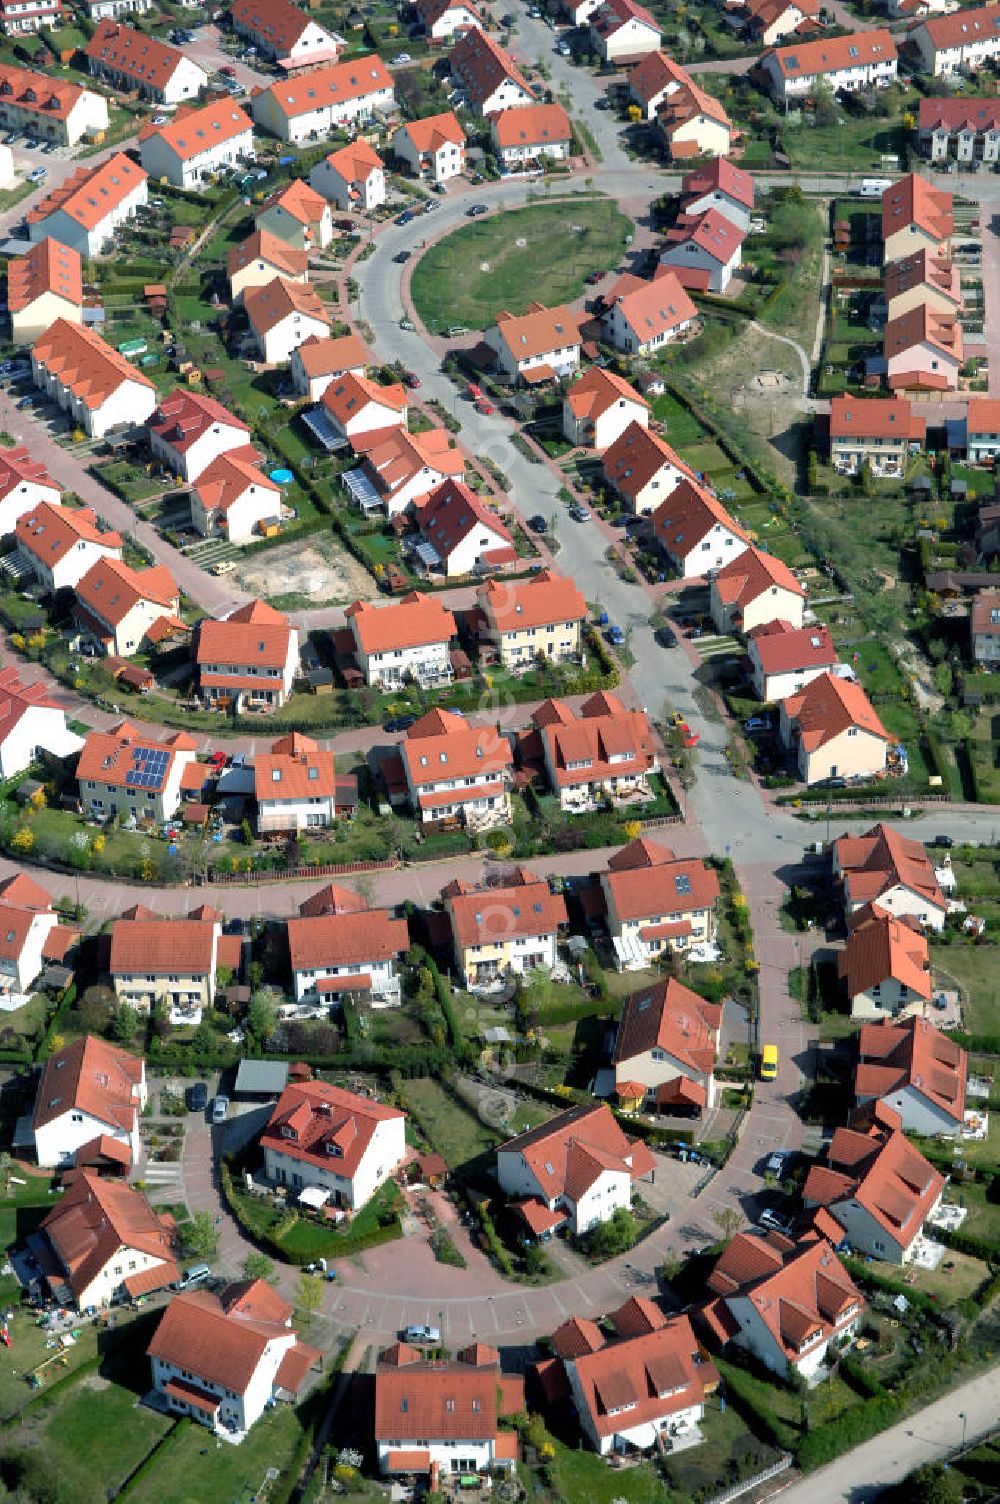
<point>411,379</point>
<point>485,407</point>
<point>228,71</point>
<point>474,391</point>
<point>217,759</point>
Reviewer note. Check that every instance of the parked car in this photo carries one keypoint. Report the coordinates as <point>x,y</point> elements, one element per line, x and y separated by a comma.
<point>537,523</point>
<point>405,217</point>
<point>50,147</point>
<point>666,637</point>
<point>402,257</point>
<point>411,379</point>
<point>198,1096</point>
<point>399,723</point>
<point>10,138</point>
<point>943,841</point>
<point>485,407</point>
<point>579,513</point>
<point>219,1109</point>
<point>228,71</point>
<point>475,210</point>
<point>593,277</point>
<point>777,1163</point>
<point>775,1220</point>
<point>756,723</point>
<point>400,58</point>
<point>429,1334</point>
<point>38,174</point>
<point>564,49</point>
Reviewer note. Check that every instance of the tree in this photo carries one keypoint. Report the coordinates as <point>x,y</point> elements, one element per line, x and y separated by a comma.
<point>617,1235</point>
<point>200,1236</point>
<point>728,1221</point>
<point>258,1266</point>
<point>932,1484</point>
<point>93,1009</point>
<point>124,1023</point>
<point>942,677</point>
<point>308,1297</point>
<point>262,1016</point>
<point>825,102</point>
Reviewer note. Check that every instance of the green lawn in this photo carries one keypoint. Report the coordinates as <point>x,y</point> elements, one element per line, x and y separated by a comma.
<point>195,1468</point>
<point>976,968</point>
<point>454,1130</point>
<point>481,268</point>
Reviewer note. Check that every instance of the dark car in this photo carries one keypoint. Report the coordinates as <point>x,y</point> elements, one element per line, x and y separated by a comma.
<point>402,256</point>
<point>197,1096</point>
<point>593,277</point>
<point>50,147</point>
<point>538,523</point>
<point>405,217</point>
<point>411,379</point>
<point>943,841</point>
<point>399,723</point>
<point>666,637</point>
<point>474,210</point>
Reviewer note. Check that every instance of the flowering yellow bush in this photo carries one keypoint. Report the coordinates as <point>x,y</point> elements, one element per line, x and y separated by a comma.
<point>23,840</point>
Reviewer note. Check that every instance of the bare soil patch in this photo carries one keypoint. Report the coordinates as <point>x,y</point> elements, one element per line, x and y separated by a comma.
<point>317,572</point>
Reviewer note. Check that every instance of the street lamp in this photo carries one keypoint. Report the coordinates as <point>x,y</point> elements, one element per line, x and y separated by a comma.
<point>965,1421</point>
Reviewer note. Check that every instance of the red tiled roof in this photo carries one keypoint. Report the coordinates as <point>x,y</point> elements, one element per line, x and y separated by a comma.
<point>636,457</point>
<point>221,1343</point>
<point>719,176</point>
<point>656,307</point>
<point>229,476</point>
<point>780,648</point>
<point>111,588</point>
<point>108,757</point>
<point>279,21</point>
<point>297,768</point>
<point>581,750</point>
<point>649,1376</point>
<point>879,947</point>
<point>914,201</point>
<point>329,356</point>
<point>193,131</point>
<point>710,231</point>
<point>451,512</point>
<point>51,531</point>
<point>537,1216</point>
<point>959,114</point>
<point>394,458</point>
<point>310,1115</point>
<point>874,417</point>
<point>255,635</point>
<point>413,621</point>
<point>881,859</point>
<point>39,94</point>
<point>49,267</point>
<point>912,1053</point>
<point>668,1016</point>
<point>333,900</point>
<point>567,1153</point>
<point>539,331</point>
<point>355,162</point>
<point>650,888</point>
<point>922,325</point>
<point>96,1220</point>
<point>921,268</point>
<point>577,1336</point>
<point>82,361</point>
<point>163,947</point>
<point>334,940</point>
<point>884,1173</point>
<point>326,87</point>
<point>962,27</point>
<point>687,516</point>
<point>92,193</point>
<point>827,707</point>
<point>141,57</point>
<point>807,1297</point>
<point>483,65</point>
<point>300,201</point>
<point>434,131</point>
<point>612,15</point>
<point>279,299</point>
<point>656,72</point>
<point>834,54</point>
<point>261,245</point>
<point>598,390</point>
<point>531,125</point>
<point>543,600</point>
<point>485,916</point>
<point>637,1317</point>
<point>743,580</point>
<point>16,699</point>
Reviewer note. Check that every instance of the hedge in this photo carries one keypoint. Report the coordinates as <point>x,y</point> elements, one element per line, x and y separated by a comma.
<point>865,1383</point>
<point>347,1245</point>
<point>859,1270</point>
<point>976,1044</point>
<point>155,1457</point>
<point>741,1389</point>
<point>987,1249</point>
<point>851,1427</point>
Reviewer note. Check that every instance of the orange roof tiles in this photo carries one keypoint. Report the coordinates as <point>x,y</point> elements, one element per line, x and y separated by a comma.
<point>687,516</point>
<point>687,103</point>
<point>107,756</point>
<point>636,458</point>
<point>87,1075</point>
<point>539,331</point>
<point>96,1220</point>
<point>279,299</point>
<point>22,890</point>
<point>332,356</point>
<point>193,131</point>
<point>744,579</point>
<point>710,231</point>
<point>668,1016</point>
<point>581,748</point>
<point>39,93</point>
<point>443,1401</point>
<point>349,395</point>
<point>599,390</point>
<point>141,57</point>
<point>183,417</point>
<point>16,699</point>
<point>954,115</point>
<point>309,1115</point>
<point>111,588</point>
<point>873,863</point>
<point>263,246</point>
<point>656,72</point>
<point>834,54</point>
<point>355,162</point>
<point>883,1172</point>
<point>351,939</point>
<point>434,131</point>
<point>914,1054</point>
<point>827,707</point>
<point>532,125</point>
<point>873,417</point>
<point>229,476</point>
<point>300,201</point>
<point>962,27</point>
<point>163,947</point>
<point>567,1153</point>
<point>92,193</point>
<point>488,916</point>
<point>451,512</point>
<point>881,947</point>
<point>328,87</point>
<point>648,889</point>
<point>49,267</point>
<point>411,622</point>
<point>333,899</point>
<point>202,1334</point>
<point>914,201</point>
<point>719,176</point>
<point>780,648</point>
<point>255,634</point>
<point>921,268</point>
<point>542,600</point>
<point>649,1376</point>
<point>801,1293</point>
<point>51,531</point>
<point>637,1317</point>
<point>17,466</point>
<point>656,307</point>
<point>397,458</point>
<point>921,325</point>
<point>81,360</point>
<point>577,1336</point>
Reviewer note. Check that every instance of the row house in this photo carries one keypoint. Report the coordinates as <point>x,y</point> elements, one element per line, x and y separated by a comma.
<point>190,429</point>
<point>44,285</point>
<point>85,211</point>
<point>169,963</point>
<point>353,177</point>
<point>233,499</point>
<point>488,76</point>
<point>964,41</point>
<point>598,407</point>
<point>90,1094</point>
<point>752,589</point>
<point>722,186</point>
<point>24,484</point>
<point>531,133</point>
<point>984,628</point>
<point>21,17</point>
<point>694,531</point>
<point>57,545</point>
<point>197,144</point>
<point>133,61</point>
<point>621,31</point>
<point>641,316</point>
<point>924,350</point>
<point>877,1187</point>
<point>443,19</point>
<point>643,470</point>
<point>524,620</point>
<point>833,731</point>
<point>297,787</point>
<point>324,1137</point>
<point>95,385</point>
<point>922,277</point>
<point>133,775</point>
<point>914,1069</point>
<point>442,1420</point>
<point>117,606</point>
<point>656,904</point>
<point>31,725</point>
<point>357,953</point>
<point>114,10</point>
<point>284,34</point>
<point>916,216</point>
<point>400,470</point>
<point>510,931</point>
<point>248,660</point>
<point>603,754</point>
<point>319,361</point>
<point>410,639</point>
<point>432,148</point>
<point>456,772</point>
<point>982,430</point>
<point>862,60</point>
<point>964,130</point>
<point>282,315</point>
<point>542,344</point>
<point>360,410</point>
<point>666,1046</point>
<point>461,534</point>
<point>703,251</point>
<point>315,103</point>
<point>299,215</point>
<point>870,430</point>
<point>224,1359</point>
<point>881,866</point>
<point>575,1170</point>
<point>27,920</point>
<point>50,109</point>
<point>885,967</point>
<point>103,1243</point>
<point>260,258</point>
<point>784,659</point>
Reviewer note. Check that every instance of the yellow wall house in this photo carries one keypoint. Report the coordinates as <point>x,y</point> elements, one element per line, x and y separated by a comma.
<point>168,961</point>
<point>834,731</point>
<point>540,615</point>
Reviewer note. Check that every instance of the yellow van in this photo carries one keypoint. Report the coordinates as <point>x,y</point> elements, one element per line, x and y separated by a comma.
<point>769,1062</point>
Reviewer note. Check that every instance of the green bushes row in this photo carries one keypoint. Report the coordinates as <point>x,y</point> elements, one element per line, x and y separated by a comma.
<point>494,1243</point>
<point>742,1391</point>
<point>851,1427</point>
<point>154,1458</point>
<point>960,1241</point>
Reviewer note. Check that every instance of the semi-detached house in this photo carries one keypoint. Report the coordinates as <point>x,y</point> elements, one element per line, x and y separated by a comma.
<point>666,1044</point>
<point>313,104</point>
<point>870,429</point>
<point>85,211</point>
<point>320,1136</point>
<point>410,639</point>
<point>298,214</point>
<point>964,41</point>
<point>352,178</point>
<point>441,19</point>
<point>640,316</point>
<point>526,619</point>
<point>90,1091</point>
<point>96,386</point>
<point>982,430</point>
<point>232,498</point>
<point>460,533</point>
<point>44,285</point>
<point>487,75</point>
<point>296,787</point>
<point>361,411</point>
<point>755,588</point>
<point>51,109</point>
<point>248,659</point>
<point>284,33</point>
<point>197,143</point>
<point>599,406</point>
<point>916,216</point>
<point>282,315</point>
<point>656,903</point>
<point>924,350</point>
<point>24,484</point>
<point>190,429</point>
<point>703,250</point>
<point>833,731</point>
<point>318,362</point>
<point>722,186</point>
<point>863,60</point>
<point>400,470</point>
<point>31,724</point>
<point>21,17</point>
<point>506,931</point>
<point>356,953</point>
<point>885,966</point>
<point>885,867</point>
<point>127,773</point>
<point>129,60</point>
<point>167,962</point>
<point>643,470</point>
<point>542,344</point>
<point>433,147</point>
<point>605,752</point>
<point>442,1419</point>
<point>456,772</point>
<point>784,659</point>
<point>911,1067</point>
<point>59,544</point>
<point>690,122</point>
<point>531,132</point>
<point>922,277</point>
<point>103,1243</point>
<point>116,605</point>
<point>27,920</point>
<point>622,31</point>
<point>695,532</point>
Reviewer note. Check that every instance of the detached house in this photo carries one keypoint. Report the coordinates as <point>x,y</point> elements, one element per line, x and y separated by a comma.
<point>232,498</point>
<point>460,533</point>
<point>525,619</point>
<point>400,470</point>
<point>456,772</point>
<point>352,177</point>
<point>622,31</point>
<point>643,470</point>
<point>722,186</point>
<point>768,22</point>
<point>52,109</point>
<point>877,1186</point>
<point>656,903</point>
<point>408,640</point>
<point>190,429</point>
<point>299,215</point>
<point>442,19</point>
<point>357,953</point>
<point>297,787</point>
<point>598,408</point>
<point>923,350</point>
<point>966,129</point>
<point>506,931</point>
<point>27,920</point>
<point>576,1170</point>
<point>603,754</point>
<point>916,216</point>
<point>166,961</point>
<point>666,1045</point>
<point>531,132</point>
<point>222,1360</point>
<point>283,315</point>
<point>695,532</point>
<point>30,724</point>
<point>24,483</point>
<point>249,659</point>
<point>103,1243</point>
<point>117,606</point>
<point>318,362</point>
<point>321,1136</point>
<point>59,544</point>
<point>260,258</point>
<point>885,965</point>
<point>441,1419</point>
<point>782,1302</point>
<point>873,431</point>
<point>489,77</point>
<point>90,1095</point>
<point>433,147</point>
<point>833,730</point>
<point>128,773</point>
<point>284,33</point>
<point>95,385</point>
<point>133,61</point>
<point>961,42</point>
<point>540,345</point>
<point>703,250</point>
<point>85,211</point>
<point>912,1068</point>
<point>753,589</point>
<point>44,285</point>
<point>784,659</point>
<point>641,316</point>
<point>884,867</point>
<point>197,143</point>
<point>863,60</point>
<point>361,411</point>
<point>318,101</point>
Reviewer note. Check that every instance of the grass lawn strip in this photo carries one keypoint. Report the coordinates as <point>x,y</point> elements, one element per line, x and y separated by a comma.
<point>200,1469</point>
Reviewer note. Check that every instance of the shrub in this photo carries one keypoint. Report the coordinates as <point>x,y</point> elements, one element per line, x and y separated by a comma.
<point>850,1429</point>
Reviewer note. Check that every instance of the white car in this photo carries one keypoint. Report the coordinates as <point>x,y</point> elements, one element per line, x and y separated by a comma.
<point>402,57</point>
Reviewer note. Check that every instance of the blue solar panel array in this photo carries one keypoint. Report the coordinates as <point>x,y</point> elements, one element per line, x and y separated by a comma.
<point>149,764</point>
